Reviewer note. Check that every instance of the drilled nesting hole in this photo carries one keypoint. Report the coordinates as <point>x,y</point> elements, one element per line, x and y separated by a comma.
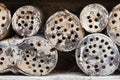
<point>90,26</point>
<point>70,19</point>
<point>117,34</point>
<point>98,14</point>
<point>2,25</point>
<point>3,17</point>
<point>113,21</point>
<point>22,12</point>
<point>115,14</point>
<point>38,44</point>
<point>1,50</point>
<point>56,22</point>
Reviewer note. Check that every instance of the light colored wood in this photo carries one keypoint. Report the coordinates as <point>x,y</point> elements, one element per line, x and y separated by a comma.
<point>97,55</point>
<point>63,30</point>
<point>37,56</point>
<point>94,18</point>
<point>27,20</point>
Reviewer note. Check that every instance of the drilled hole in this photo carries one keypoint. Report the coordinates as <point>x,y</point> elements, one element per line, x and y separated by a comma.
<point>49,55</point>
<point>96,27</point>
<point>58,27</point>
<point>63,38</point>
<point>32,17</point>
<point>58,34</point>
<point>90,26</point>
<point>52,28</point>
<point>65,30</point>
<point>31,28</point>
<point>106,43</point>
<point>39,65</point>
<point>77,29</point>
<point>27,51</point>
<point>69,37</point>
<point>1,63</point>
<point>97,38</point>
<point>103,67</point>
<point>27,63</point>
<point>35,49</point>
<point>22,21</point>
<point>112,58</point>
<point>93,51</point>
<point>1,50</point>
<point>85,55</point>
<point>25,24</point>
<point>86,50</point>
<point>103,50</point>
<point>47,67</point>
<point>97,57</point>
<point>41,61</point>
<point>13,63</point>
<point>115,15</point>
<point>102,61</point>
<point>52,49</point>
<point>73,40</point>
<point>27,17</point>
<point>53,36</point>
<point>2,58</point>
<point>88,17</point>
<point>32,22</point>
<point>113,21</point>
<point>34,59</point>
<point>72,32</point>
<point>105,56</point>
<point>98,14</point>
<point>41,71</point>
<point>70,19</point>
<point>117,35</point>
<point>56,22</point>
<point>88,67</point>
<point>109,47</point>
<point>34,70</point>
<point>87,62</point>
<point>18,24</point>
<point>90,20</point>
<point>85,43</point>
<point>97,70</point>
<point>3,18</point>
<point>96,66</point>
<point>102,40</point>
<point>72,25</point>
<point>27,56</point>
<point>76,36</point>
<point>90,46</point>
<point>19,17</point>
<point>61,20</point>
<point>25,59</point>
<point>33,65</point>
<point>100,46</point>
<point>31,44</point>
<point>30,12</point>
<point>96,19</point>
<point>111,52</point>
<point>38,44</point>
<point>91,39</point>
<point>94,45</point>
<point>22,12</point>
<point>111,64</point>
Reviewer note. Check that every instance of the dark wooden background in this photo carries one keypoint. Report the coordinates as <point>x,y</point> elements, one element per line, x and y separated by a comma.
<point>66,62</point>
